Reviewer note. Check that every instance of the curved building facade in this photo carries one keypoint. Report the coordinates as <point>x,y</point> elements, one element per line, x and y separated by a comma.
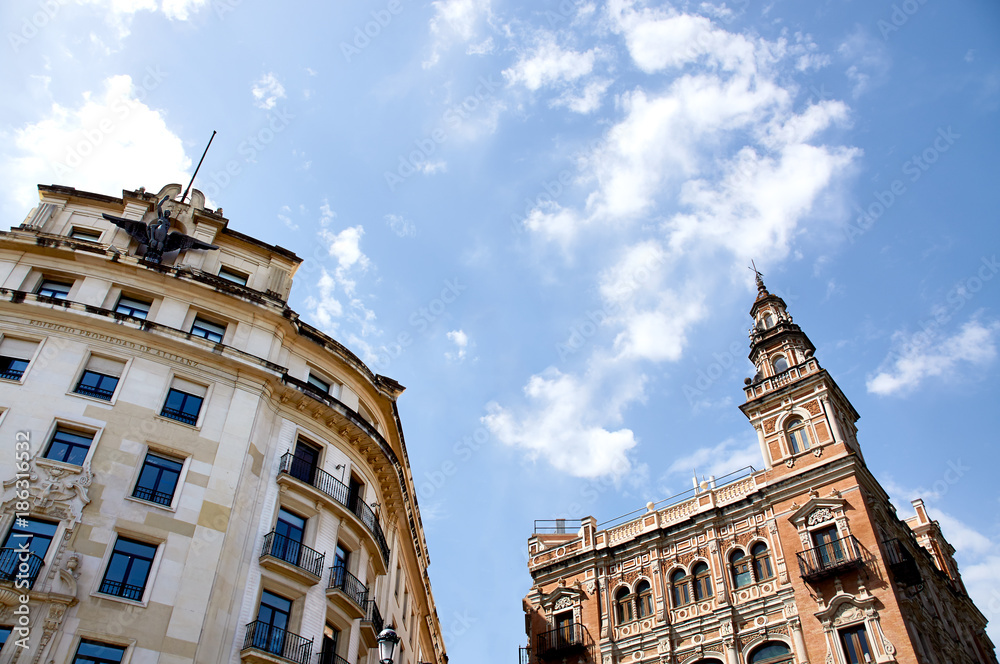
<point>190,472</point>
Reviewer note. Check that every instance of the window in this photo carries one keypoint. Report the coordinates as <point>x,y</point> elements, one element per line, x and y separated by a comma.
<point>855,643</point>
<point>406,604</point>
<point>100,378</point>
<point>644,599</point>
<point>328,652</point>
<point>702,581</point>
<point>128,569</point>
<point>288,533</point>
<point>780,364</point>
<point>771,652</point>
<point>15,354</point>
<point>828,545</point>
<point>69,446</point>
<point>768,321</point>
<point>208,330</point>
<point>305,461</point>
<point>341,557</point>
<point>399,576</point>
<point>34,533</point>
<point>157,479</point>
<point>56,289</point>
<point>320,384</point>
<point>679,592</point>
<point>88,234</point>
<point>4,633</point>
<point>739,564</point>
<point>184,401</point>
<point>95,652</point>
<point>798,435</point>
<point>761,562</point>
<point>234,276</point>
<point>133,306</point>
<point>272,622</point>
<point>564,629</point>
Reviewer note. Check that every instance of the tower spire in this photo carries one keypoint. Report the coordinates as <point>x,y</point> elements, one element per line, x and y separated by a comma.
<point>761,288</point>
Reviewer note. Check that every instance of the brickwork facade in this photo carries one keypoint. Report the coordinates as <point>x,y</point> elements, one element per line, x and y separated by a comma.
<point>802,562</point>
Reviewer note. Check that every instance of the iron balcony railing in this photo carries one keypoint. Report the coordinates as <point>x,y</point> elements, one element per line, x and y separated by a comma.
<point>327,657</point>
<point>901,563</point>
<point>276,641</point>
<point>563,641</point>
<point>119,589</point>
<point>349,584</point>
<point>96,392</point>
<point>831,558</point>
<point>179,415</point>
<point>12,374</point>
<point>152,495</point>
<point>294,552</point>
<point>373,615</point>
<point>331,486</point>
<point>18,565</point>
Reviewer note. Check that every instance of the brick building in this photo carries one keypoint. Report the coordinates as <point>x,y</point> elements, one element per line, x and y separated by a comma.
<point>803,561</point>
<point>198,474</point>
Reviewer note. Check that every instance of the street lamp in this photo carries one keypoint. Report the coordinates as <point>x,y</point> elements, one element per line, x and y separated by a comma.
<point>387,641</point>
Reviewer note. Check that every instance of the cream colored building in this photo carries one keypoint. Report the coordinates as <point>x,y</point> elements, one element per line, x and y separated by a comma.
<point>190,472</point>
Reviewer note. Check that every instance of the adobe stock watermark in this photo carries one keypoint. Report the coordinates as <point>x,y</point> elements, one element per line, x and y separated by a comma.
<point>420,320</point>
<point>418,159</point>
<point>381,19</point>
<point>32,25</point>
<point>914,168</point>
<point>89,139</point>
<point>248,149</point>
<point>899,16</point>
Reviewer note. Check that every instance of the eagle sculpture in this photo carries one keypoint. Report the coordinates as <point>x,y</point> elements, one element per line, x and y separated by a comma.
<point>156,235</point>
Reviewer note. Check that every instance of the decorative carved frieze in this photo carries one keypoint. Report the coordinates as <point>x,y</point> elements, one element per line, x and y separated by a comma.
<point>819,516</point>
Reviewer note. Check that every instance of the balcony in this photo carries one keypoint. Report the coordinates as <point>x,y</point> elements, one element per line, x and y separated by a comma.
<point>371,624</point>
<point>832,558</point>
<point>347,592</point>
<point>333,488</point>
<point>16,566</point>
<point>326,657</point>
<point>267,643</point>
<point>563,641</point>
<point>901,563</point>
<point>290,556</point>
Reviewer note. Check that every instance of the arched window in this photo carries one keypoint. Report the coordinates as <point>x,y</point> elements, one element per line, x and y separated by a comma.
<point>702,581</point>
<point>798,435</point>
<point>768,321</point>
<point>623,606</point>
<point>679,591</point>
<point>740,567</point>
<point>780,364</point>
<point>761,562</point>
<point>644,599</point>
<point>771,652</point>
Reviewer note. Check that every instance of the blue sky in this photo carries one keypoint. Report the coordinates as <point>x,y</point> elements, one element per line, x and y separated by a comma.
<point>539,216</point>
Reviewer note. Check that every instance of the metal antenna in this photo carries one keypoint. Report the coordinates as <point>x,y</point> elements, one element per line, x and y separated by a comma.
<point>184,195</point>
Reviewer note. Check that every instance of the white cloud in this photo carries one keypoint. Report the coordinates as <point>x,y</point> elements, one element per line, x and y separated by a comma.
<point>927,355</point>
<point>400,226</point>
<point>111,141</point>
<point>283,216</point>
<point>119,13</point>
<point>454,21</point>
<point>565,423</point>
<point>587,101</point>
<point>549,64</point>
<point>868,58</point>
<point>266,91</point>
<point>461,341</point>
<point>727,457</point>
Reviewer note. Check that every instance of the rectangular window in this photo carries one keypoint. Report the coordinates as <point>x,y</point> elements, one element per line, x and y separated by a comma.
<point>399,577</point>
<point>95,652</point>
<point>4,633</point>
<point>128,569</point>
<point>52,288</point>
<point>305,461</point>
<point>100,378</point>
<point>208,330</point>
<point>158,479</point>
<point>37,536</point>
<point>15,354</point>
<point>133,306</point>
<point>69,446</point>
<point>88,234</point>
<point>184,401</point>
<point>234,276</point>
<point>328,652</point>
<point>320,384</point>
<point>272,623</point>
<point>288,533</point>
<point>828,546</point>
<point>855,642</point>
<point>406,604</point>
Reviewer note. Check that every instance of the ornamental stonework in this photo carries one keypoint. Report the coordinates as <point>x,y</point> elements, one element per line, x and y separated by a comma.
<point>769,424</point>
<point>813,407</point>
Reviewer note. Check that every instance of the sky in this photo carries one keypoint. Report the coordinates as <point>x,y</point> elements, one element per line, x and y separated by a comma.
<point>539,217</point>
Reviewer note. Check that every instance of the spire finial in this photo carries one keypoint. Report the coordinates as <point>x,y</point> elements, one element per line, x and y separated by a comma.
<point>761,288</point>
